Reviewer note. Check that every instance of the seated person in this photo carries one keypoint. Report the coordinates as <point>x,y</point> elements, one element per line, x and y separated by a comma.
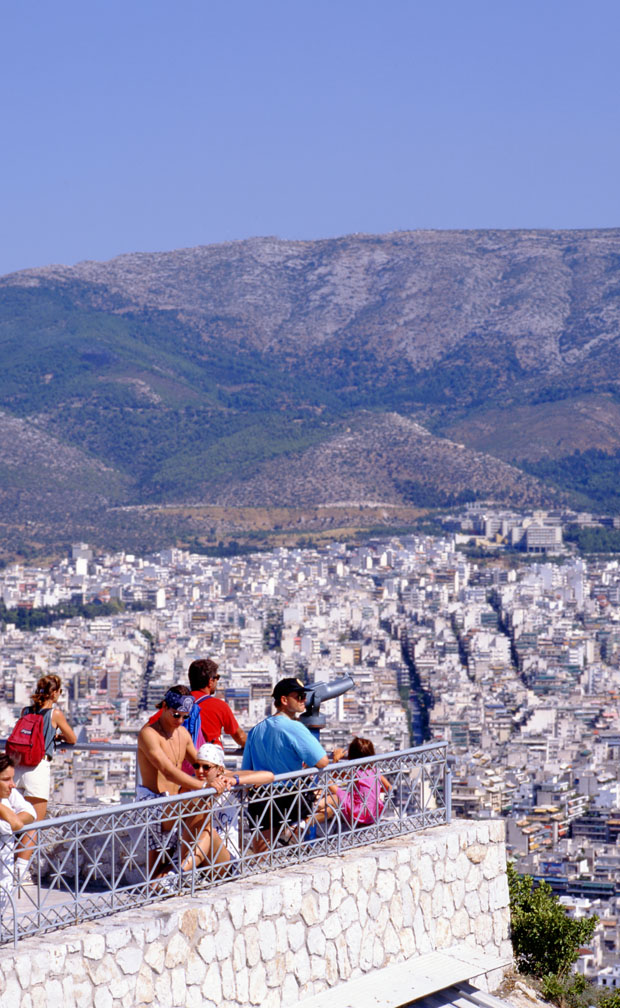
<point>15,813</point>
<point>282,744</point>
<point>162,747</point>
<point>211,773</point>
<point>360,801</point>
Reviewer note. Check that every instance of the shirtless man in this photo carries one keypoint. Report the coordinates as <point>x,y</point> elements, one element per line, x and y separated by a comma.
<point>162,747</point>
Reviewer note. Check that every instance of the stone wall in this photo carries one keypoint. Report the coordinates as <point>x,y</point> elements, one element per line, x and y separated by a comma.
<point>279,937</point>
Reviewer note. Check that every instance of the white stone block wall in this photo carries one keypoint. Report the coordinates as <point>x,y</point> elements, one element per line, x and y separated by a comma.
<point>278,937</point>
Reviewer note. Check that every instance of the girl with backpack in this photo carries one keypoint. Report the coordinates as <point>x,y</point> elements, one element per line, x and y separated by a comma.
<point>34,781</point>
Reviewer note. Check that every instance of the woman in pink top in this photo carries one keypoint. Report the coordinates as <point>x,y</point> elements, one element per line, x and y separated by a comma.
<point>360,801</point>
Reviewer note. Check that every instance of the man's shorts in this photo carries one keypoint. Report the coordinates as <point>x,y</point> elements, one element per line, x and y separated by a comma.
<point>157,837</point>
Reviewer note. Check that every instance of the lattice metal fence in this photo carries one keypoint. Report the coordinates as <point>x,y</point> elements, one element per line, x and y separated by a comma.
<point>94,864</point>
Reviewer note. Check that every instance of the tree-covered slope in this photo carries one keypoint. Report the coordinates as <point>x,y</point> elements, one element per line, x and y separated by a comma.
<point>223,371</point>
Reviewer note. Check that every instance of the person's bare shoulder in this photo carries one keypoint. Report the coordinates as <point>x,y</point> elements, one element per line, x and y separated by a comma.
<point>148,734</point>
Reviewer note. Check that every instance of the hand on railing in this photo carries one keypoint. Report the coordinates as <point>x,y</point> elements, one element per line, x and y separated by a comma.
<point>60,741</point>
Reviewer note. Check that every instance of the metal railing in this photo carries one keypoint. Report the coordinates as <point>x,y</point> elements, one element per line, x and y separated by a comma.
<point>90,763</point>
<point>92,864</point>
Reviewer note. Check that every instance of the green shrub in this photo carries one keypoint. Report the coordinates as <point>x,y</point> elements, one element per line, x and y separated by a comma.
<point>568,992</point>
<point>546,941</point>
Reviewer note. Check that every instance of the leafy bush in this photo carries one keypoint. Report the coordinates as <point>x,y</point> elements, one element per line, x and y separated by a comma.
<point>568,992</point>
<point>546,941</point>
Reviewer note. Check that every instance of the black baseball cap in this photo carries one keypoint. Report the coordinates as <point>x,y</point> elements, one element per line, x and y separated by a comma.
<point>286,687</point>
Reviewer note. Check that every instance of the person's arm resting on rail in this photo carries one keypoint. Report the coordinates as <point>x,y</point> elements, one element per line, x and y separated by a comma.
<point>63,727</point>
<point>308,748</point>
<point>17,820</point>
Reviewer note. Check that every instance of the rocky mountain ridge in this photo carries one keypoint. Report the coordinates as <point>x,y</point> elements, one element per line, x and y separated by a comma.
<point>553,296</point>
<point>416,367</point>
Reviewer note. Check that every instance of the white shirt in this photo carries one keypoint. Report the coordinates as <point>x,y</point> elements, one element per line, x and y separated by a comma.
<point>17,803</point>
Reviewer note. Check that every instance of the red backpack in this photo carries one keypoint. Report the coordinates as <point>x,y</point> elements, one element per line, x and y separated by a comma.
<point>26,743</point>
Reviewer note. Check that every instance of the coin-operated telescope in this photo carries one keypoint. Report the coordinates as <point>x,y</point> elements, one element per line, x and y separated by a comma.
<point>316,694</point>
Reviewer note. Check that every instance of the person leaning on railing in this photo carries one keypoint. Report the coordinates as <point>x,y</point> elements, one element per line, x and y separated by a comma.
<point>35,782</point>
<point>15,813</point>
<point>283,745</point>
<point>210,770</point>
<point>162,747</point>
<point>215,714</point>
<point>359,795</point>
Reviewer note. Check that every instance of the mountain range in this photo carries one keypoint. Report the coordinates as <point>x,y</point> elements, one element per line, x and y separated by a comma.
<point>420,369</point>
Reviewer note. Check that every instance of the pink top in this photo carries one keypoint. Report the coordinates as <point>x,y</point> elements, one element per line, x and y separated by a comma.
<point>361,800</point>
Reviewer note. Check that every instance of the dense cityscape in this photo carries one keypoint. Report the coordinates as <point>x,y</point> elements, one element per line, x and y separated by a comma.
<point>514,660</point>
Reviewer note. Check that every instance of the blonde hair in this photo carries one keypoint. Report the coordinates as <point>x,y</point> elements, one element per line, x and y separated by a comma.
<point>46,686</point>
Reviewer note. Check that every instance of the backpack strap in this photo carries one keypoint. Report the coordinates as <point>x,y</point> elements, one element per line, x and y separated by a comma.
<point>194,724</point>
<point>208,696</point>
<point>49,731</point>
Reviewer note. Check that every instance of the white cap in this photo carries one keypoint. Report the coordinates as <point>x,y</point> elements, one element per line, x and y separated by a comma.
<point>210,753</point>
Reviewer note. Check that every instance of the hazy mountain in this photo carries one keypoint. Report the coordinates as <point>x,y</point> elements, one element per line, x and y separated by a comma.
<point>238,372</point>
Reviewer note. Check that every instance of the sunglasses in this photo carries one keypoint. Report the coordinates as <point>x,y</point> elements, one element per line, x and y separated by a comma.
<point>298,696</point>
<point>179,714</point>
<point>206,766</point>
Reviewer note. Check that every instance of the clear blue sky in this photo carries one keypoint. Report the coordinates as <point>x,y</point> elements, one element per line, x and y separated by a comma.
<point>140,125</point>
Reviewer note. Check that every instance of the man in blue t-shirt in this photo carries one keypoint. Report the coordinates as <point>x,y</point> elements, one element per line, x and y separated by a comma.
<point>282,744</point>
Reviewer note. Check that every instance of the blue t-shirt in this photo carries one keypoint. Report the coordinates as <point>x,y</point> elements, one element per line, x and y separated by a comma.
<point>281,745</point>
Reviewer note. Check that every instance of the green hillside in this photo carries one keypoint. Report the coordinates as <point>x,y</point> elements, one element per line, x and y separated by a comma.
<point>239,372</point>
